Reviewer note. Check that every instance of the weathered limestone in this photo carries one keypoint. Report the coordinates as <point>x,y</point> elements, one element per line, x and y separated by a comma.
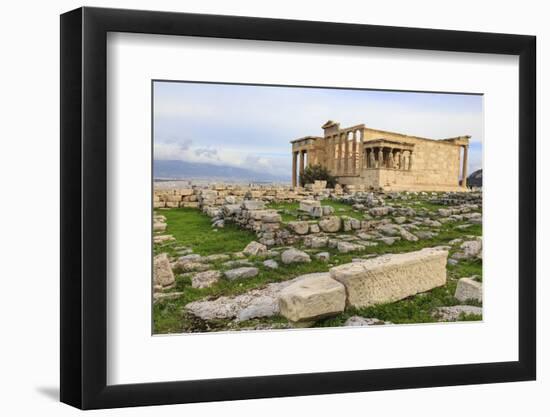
<point>162,271</point>
<point>453,313</point>
<point>469,249</point>
<point>350,223</point>
<point>330,224</point>
<point>358,321</point>
<point>163,296</point>
<point>299,227</point>
<point>312,297</point>
<point>380,211</point>
<point>205,279</point>
<point>217,257</point>
<point>254,248</point>
<point>405,234</point>
<point>323,256</point>
<point>345,247</point>
<point>468,289</point>
<point>240,273</point>
<point>163,238</point>
<point>316,242</point>
<point>189,266</point>
<point>390,278</point>
<point>312,207</point>
<point>253,205</point>
<point>293,255</point>
<point>271,264</point>
<point>260,302</point>
<point>159,227</point>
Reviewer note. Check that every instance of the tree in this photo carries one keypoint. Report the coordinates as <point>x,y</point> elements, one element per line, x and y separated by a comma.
<point>317,173</point>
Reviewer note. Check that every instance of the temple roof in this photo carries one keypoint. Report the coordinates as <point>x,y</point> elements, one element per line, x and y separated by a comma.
<point>388,142</point>
<point>329,123</point>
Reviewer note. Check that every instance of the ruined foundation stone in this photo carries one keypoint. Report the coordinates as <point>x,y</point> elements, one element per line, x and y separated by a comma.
<point>453,313</point>
<point>312,207</point>
<point>468,289</point>
<point>255,248</point>
<point>330,224</point>
<point>240,273</point>
<point>312,297</point>
<point>293,255</point>
<point>162,271</point>
<point>205,279</point>
<point>390,278</point>
<point>300,228</point>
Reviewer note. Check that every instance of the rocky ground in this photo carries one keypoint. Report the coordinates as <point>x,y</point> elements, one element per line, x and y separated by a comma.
<point>241,263</point>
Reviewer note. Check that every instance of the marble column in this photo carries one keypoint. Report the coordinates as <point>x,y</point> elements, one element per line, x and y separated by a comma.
<point>332,154</point>
<point>465,167</point>
<point>294,163</point>
<point>372,159</point>
<point>346,154</point>
<point>380,158</point>
<point>337,154</point>
<point>362,160</point>
<point>353,154</point>
<point>302,155</point>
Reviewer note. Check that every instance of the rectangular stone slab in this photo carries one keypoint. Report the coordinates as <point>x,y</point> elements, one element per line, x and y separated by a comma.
<point>312,296</point>
<point>309,205</point>
<point>393,277</point>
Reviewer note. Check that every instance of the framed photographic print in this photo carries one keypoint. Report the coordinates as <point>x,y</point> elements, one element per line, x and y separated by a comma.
<point>258,207</point>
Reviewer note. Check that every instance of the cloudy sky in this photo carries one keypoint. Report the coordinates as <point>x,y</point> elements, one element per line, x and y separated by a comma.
<point>251,126</point>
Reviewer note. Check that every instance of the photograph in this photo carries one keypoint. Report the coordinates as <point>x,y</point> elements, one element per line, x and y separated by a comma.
<point>293,207</point>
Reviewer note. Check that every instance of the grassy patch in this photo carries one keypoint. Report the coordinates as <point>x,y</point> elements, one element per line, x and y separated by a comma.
<point>192,228</point>
<point>467,268</point>
<point>470,317</point>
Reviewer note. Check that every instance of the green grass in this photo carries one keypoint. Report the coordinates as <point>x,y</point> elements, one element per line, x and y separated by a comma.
<point>470,317</point>
<point>192,228</point>
<point>467,268</point>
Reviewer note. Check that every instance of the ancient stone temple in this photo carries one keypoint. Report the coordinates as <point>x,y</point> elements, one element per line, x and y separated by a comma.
<point>378,159</point>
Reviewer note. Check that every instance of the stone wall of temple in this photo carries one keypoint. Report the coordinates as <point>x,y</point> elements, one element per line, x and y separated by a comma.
<point>436,165</point>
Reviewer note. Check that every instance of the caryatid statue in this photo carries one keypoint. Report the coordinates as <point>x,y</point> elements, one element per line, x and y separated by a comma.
<point>390,159</point>
<point>372,160</point>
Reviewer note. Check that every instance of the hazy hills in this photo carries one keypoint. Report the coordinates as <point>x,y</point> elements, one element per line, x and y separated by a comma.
<point>167,169</point>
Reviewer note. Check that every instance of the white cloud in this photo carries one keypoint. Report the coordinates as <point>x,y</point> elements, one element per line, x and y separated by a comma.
<point>251,127</point>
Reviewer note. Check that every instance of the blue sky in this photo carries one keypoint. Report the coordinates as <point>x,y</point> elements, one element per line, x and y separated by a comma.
<point>251,126</point>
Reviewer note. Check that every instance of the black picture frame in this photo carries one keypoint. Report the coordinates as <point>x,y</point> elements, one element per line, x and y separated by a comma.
<point>84,207</point>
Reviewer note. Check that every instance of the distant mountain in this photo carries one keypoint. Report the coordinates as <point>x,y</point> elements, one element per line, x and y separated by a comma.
<point>475,179</point>
<point>164,169</point>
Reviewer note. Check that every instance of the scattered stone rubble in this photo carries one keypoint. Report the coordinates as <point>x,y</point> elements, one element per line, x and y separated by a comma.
<point>468,289</point>
<point>453,313</point>
<point>358,321</point>
<point>361,283</point>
